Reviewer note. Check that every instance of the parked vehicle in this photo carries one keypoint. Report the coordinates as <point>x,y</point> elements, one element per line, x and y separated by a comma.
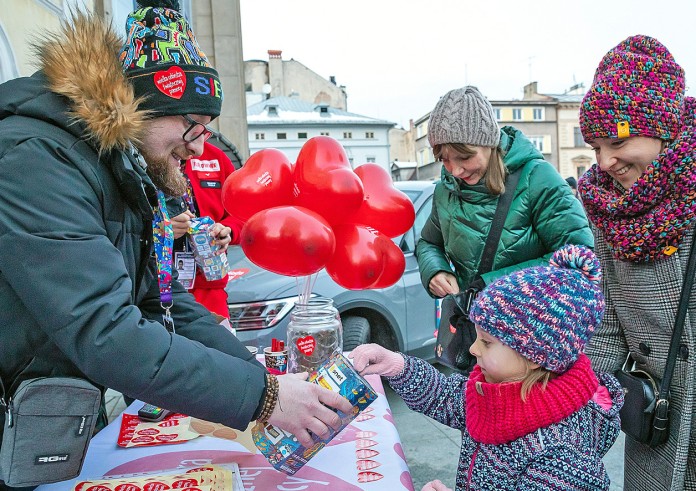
<point>402,317</point>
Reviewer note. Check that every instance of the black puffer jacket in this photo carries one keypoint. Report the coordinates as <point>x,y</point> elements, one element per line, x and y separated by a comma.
<point>78,287</point>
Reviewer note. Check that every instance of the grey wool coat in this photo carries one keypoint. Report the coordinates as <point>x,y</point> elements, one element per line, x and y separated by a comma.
<point>642,300</point>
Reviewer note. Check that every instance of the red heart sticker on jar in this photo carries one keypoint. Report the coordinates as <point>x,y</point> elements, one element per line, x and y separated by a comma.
<point>172,82</point>
<point>306,345</point>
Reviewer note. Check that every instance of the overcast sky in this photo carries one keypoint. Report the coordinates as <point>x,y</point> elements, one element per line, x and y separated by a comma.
<point>397,57</point>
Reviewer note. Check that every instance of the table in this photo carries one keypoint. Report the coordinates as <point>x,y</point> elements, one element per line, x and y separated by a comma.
<point>340,466</point>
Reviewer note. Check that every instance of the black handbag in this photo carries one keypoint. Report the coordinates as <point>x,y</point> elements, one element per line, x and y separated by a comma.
<point>456,333</point>
<point>645,413</point>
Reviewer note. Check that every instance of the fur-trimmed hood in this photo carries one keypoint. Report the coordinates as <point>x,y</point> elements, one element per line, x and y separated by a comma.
<point>80,62</point>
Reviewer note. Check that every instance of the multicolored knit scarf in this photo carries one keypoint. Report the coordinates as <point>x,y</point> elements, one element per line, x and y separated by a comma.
<point>647,221</point>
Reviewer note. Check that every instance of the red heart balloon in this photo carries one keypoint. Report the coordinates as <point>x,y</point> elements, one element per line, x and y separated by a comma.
<point>324,180</point>
<point>394,263</point>
<point>384,208</point>
<point>265,181</point>
<point>288,240</point>
<point>358,260</point>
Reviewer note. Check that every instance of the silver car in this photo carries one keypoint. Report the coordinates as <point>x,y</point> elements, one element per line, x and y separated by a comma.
<point>402,317</point>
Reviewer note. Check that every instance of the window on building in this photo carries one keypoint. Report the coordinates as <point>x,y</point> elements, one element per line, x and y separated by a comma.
<point>580,170</point>
<point>324,133</point>
<point>273,110</point>
<point>282,136</point>
<point>370,135</point>
<point>302,135</point>
<point>517,114</point>
<point>538,142</point>
<point>538,114</point>
<point>347,134</point>
<point>578,140</point>
<point>421,130</point>
<point>260,136</point>
<point>370,160</point>
<point>496,110</point>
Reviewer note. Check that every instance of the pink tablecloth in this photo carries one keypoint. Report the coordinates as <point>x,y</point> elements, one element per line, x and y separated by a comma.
<point>366,455</point>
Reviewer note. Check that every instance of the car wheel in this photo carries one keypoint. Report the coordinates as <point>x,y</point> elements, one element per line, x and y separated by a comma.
<point>356,331</point>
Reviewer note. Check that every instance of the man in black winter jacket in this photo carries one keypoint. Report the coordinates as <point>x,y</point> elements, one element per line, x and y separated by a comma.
<point>87,145</point>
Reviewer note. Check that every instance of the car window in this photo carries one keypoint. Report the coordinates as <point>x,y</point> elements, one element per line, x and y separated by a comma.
<point>408,243</point>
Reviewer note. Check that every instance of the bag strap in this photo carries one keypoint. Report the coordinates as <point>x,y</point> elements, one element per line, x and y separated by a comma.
<point>678,325</point>
<point>496,230</point>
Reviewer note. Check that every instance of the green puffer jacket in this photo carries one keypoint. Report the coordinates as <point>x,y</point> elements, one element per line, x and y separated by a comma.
<point>544,215</point>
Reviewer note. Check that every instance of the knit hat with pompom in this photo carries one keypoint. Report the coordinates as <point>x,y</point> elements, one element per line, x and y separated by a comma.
<point>163,61</point>
<point>547,314</point>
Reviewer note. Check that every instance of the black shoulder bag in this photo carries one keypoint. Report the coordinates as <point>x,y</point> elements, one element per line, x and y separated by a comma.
<point>645,413</point>
<point>456,332</point>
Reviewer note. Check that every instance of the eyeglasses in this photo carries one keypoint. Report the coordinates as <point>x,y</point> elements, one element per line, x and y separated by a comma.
<point>196,130</point>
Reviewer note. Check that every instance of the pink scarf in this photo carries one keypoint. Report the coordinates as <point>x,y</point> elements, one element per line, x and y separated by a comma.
<point>647,221</point>
<point>496,413</point>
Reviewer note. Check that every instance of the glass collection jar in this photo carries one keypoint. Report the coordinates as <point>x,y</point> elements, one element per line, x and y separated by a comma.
<point>314,334</point>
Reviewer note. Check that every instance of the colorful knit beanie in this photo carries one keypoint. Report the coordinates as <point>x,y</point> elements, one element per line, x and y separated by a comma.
<point>547,314</point>
<point>463,116</point>
<point>163,61</point>
<point>638,89</point>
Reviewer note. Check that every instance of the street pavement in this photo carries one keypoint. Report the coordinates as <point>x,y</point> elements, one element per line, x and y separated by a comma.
<point>431,449</point>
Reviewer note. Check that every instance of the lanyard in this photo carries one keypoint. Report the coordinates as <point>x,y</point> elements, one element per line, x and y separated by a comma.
<point>163,236</point>
<point>188,196</point>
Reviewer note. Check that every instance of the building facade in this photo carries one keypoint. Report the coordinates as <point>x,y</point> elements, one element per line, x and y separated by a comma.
<point>286,123</point>
<point>290,78</point>
<point>550,121</point>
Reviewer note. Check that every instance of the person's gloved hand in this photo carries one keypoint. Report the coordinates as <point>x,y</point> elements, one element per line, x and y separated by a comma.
<point>373,358</point>
<point>302,406</point>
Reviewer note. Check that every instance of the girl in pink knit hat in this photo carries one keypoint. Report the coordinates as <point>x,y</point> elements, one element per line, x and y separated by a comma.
<point>533,414</point>
<point>640,198</point>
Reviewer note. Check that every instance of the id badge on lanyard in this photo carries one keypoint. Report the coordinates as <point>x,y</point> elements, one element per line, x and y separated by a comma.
<point>186,266</point>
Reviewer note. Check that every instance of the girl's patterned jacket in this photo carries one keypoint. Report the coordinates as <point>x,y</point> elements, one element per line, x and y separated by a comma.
<point>554,441</point>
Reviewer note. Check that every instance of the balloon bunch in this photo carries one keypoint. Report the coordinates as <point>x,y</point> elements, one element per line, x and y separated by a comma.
<point>319,212</point>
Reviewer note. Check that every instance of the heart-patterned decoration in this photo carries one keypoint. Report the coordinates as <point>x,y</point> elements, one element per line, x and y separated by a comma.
<point>306,345</point>
<point>172,82</point>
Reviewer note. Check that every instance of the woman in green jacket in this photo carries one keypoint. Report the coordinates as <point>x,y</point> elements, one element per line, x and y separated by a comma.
<point>477,156</point>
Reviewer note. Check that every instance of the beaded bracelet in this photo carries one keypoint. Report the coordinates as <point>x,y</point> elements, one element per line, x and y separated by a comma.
<point>269,403</point>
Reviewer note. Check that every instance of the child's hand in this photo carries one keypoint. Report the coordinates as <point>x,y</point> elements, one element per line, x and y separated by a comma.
<point>372,358</point>
<point>435,485</point>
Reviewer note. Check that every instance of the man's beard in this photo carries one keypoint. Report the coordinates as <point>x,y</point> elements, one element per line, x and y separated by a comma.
<point>165,177</point>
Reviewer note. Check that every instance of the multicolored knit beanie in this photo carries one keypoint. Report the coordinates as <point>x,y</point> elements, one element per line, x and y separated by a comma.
<point>638,89</point>
<point>163,61</point>
<point>547,313</point>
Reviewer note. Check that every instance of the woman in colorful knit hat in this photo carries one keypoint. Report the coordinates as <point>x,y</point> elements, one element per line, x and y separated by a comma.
<point>477,157</point>
<point>640,197</point>
<point>532,413</point>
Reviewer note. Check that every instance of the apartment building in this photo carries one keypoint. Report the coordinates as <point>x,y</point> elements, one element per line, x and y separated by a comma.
<point>550,121</point>
<point>286,123</point>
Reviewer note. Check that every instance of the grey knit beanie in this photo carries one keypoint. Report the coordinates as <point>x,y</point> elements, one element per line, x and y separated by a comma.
<point>463,116</point>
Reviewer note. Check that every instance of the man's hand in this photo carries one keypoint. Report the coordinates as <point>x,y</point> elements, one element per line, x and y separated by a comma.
<point>443,284</point>
<point>373,358</point>
<point>181,223</point>
<point>302,405</point>
<point>222,235</point>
